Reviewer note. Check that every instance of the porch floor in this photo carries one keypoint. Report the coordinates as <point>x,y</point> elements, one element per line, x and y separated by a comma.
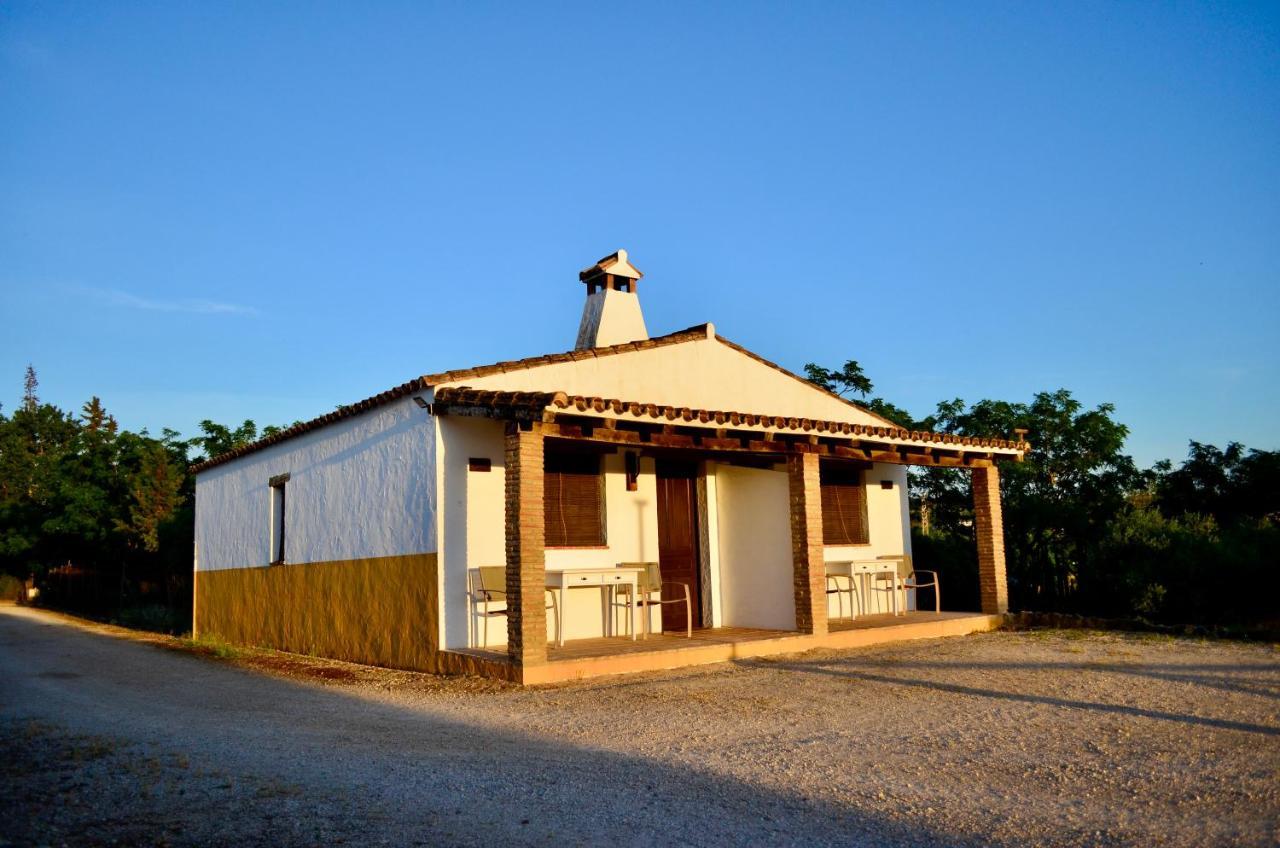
<point>583,658</point>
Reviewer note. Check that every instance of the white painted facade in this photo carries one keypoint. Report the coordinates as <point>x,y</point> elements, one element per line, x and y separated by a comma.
<point>703,374</point>
<point>360,487</point>
<point>753,561</point>
<point>748,531</point>
<point>396,480</point>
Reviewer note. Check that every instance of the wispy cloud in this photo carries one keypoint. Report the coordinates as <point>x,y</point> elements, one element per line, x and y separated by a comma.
<point>197,307</point>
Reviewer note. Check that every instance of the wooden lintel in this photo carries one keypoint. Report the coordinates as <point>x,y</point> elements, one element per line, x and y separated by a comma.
<point>671,440</point>
<point>625,437</point>
<point>720,444</point>
<point>767,446</point>
<point>886,456</point>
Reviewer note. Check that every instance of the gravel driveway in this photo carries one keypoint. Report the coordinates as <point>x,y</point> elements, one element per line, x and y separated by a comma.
<point>1040,738</point>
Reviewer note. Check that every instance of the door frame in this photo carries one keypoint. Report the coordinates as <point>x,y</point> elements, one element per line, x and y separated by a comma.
<point>691,470</point>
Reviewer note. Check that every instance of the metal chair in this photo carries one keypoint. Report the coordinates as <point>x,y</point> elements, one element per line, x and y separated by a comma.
<point>913,581</point>
<point>650,581</point>
<point>487,585</point>
<point>833,588</point>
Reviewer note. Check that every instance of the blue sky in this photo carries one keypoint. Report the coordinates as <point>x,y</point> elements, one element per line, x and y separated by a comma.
<point>263,210</point>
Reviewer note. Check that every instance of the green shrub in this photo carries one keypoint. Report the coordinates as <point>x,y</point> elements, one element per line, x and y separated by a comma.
<point>10,588</point>
<point>154,617</point>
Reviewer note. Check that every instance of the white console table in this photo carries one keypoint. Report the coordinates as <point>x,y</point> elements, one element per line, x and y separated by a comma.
<point>606,579</point>
<point>865,570</point>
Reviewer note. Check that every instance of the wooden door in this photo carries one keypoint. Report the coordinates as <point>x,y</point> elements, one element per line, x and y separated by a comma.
<point>678,541</point>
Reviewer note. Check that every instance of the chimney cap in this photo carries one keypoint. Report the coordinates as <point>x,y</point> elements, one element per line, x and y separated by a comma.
<point>616,264</point>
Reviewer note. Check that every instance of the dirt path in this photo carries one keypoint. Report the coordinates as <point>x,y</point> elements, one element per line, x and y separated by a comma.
<point>1026,738</point>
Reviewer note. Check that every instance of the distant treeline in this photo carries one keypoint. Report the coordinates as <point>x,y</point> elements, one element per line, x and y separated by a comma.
<point>101,519</point>
<point>1086,530</point>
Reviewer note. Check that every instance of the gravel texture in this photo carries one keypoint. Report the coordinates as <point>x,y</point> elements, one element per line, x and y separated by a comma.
<point>1036,738</point>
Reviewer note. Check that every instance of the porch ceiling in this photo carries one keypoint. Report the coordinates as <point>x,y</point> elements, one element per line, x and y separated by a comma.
<point>648,425</point>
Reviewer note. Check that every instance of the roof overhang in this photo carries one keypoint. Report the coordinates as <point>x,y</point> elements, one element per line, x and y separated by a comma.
<point>619,422</point>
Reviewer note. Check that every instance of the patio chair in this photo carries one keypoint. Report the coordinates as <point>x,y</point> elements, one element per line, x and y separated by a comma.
<point>649,582</point>
<point>486,586</point>
<point>834,588</point>
<point>912,581</point>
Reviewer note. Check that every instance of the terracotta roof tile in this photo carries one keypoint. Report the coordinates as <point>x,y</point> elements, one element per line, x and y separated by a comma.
<point>466,396</point>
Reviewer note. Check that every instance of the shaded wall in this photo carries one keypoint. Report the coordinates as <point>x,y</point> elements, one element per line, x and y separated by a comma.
<point>381,611</point>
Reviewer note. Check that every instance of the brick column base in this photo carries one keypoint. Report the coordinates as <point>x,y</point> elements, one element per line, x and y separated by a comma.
<point>526,539</point>
<point>810,580</point>
<point>988,526</point>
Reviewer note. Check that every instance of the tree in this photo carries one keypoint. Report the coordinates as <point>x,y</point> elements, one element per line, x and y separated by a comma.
<point>1227,484</point>
<point>29,386</point>
<point>217,439</point>
<point>850,378</point>
<point>1057,504</point>
<point>155,490</point>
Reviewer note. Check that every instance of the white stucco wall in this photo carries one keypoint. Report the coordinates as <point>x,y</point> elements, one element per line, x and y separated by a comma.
<point>889,532</point>
<point>473,531</point>
<point>755,567</point>
<point>361,487</point>
<point>704,374</point>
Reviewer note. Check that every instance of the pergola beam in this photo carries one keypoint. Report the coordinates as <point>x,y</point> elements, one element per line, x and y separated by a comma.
<point>780,445</point>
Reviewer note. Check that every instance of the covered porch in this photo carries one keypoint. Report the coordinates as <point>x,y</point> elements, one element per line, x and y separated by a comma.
<point>581,659</point>
<point>791,450</point>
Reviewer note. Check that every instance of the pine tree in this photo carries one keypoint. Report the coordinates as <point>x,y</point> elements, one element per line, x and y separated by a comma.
<point>29,385</point>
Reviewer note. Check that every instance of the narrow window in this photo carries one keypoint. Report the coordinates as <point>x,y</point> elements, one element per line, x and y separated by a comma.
<point>844,505</point>
<point>573,499</point>
<point>277,518</point>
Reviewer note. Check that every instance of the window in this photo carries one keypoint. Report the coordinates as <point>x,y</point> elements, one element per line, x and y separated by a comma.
<point>573,499</point>
<point>844,505</point>
<point>277,518</point>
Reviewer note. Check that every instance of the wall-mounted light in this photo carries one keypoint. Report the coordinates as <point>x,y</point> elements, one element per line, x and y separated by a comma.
<point>479,463</point>
<point>886,484</point>
<point>418,399</point>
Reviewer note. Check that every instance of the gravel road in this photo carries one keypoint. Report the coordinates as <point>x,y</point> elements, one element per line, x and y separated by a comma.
<point>1039,738</point>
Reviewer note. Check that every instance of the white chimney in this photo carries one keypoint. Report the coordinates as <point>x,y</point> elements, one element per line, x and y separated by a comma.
<point>612,312</point>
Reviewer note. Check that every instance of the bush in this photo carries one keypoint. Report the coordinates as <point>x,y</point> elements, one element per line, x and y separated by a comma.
<point>10,588</point>
<point>1185,570</point>
<point>154,617</point>
<point>955,558</point>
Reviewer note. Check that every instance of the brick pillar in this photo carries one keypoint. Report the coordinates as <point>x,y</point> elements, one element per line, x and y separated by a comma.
<point>988,526</point>
<point>526,563</point>
<point>806,544</point>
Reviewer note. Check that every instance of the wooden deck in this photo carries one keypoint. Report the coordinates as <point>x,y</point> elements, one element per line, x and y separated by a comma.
<point>584,658</point>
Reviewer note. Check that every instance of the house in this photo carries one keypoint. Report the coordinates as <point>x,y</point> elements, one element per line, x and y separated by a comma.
<point>779,508</point>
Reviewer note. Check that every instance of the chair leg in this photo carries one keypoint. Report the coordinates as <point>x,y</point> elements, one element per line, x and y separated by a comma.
<point>555,609</point>
<point>937,597</point>
<point>688,614</point>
